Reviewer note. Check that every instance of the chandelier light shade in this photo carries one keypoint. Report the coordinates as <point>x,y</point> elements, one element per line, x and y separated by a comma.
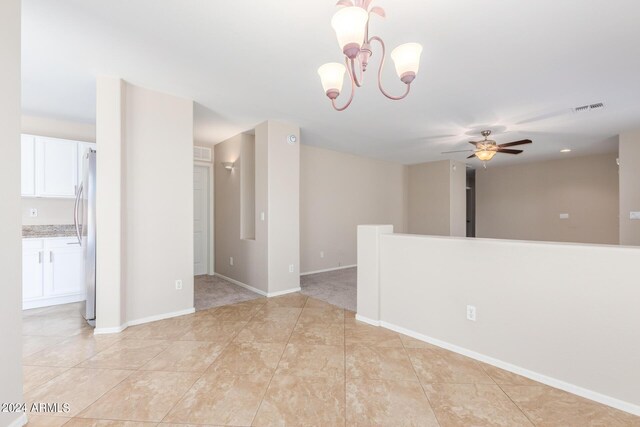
<point>485,155</point>
<point>332,77</point>
<point>351,24</point>
<point>406,58</point>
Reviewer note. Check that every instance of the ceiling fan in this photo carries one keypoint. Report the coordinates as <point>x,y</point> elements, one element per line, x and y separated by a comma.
<point>486,149</point>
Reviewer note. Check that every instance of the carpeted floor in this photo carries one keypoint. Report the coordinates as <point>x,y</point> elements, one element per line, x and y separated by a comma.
<point>212,291</point>
<point>335,287</point>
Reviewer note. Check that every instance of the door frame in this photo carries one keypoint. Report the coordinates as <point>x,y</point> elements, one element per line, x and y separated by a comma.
<point>211,242</point>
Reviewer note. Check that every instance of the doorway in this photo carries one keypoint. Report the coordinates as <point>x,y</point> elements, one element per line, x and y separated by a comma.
<point>201,219</point>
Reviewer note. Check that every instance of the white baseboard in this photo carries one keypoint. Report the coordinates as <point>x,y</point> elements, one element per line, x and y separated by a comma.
<point>22,420</point>
<point>553,382</point>
<point>118,329</point>
<point>342,267</point>
<point>244,285</point>
<point>49,301</point>
<point>256,290</point>
<point>367,320</point>
<point>287,291</point>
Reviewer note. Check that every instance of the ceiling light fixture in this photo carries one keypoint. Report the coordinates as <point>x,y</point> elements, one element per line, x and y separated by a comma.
<point>351,24</point>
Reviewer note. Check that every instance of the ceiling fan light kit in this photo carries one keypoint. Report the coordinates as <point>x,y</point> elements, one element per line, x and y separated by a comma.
<point>486,149</point>
<point>351,24</point>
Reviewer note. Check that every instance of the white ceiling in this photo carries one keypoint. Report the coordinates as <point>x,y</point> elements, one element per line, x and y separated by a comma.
<point>516,66</point>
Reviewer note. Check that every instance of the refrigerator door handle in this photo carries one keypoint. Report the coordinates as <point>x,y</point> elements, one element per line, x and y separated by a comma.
<point>75,215</point>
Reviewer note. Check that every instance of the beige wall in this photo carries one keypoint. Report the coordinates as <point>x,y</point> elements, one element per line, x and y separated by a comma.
<point>10,243</point>
<point>53,211</point>
<point>249,255</point>
<point>338,192</point>
<point>144,214</point>
<point>629,148</point>
<point>524,202</point>
<point>436,198</point>
<point>570,313</point>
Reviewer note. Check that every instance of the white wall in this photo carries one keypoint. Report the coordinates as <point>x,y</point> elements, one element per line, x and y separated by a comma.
<point>629,147</point>
<point>562,313</point>
<point>145,204</point>
<point>10,240</point>
<point>338,191</point>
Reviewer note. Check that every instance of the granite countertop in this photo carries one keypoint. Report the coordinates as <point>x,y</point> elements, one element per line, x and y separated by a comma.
<point>45,231</point>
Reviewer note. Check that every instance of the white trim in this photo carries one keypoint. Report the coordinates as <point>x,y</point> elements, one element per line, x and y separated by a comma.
<point>244,285</point>
<point>161,316</point>
<point>553,382</point>
<point>367,320</point>
<point>342,267</point>
<point>256,290</point>
<point>211,208</point>
<point>118,329</point>
<point>54,300</point>
<point>287,291</point>
<point>22,420</point>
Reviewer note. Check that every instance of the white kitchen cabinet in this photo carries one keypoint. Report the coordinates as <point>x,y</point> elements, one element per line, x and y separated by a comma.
<point>52,272</point>
<point>28,165</point>
<point>56,167</point>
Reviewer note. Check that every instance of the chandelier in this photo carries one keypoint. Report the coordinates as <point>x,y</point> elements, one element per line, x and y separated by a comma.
<point>351,24</point>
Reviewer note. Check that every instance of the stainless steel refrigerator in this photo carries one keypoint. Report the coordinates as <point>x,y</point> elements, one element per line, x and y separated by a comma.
<point>84,215</point>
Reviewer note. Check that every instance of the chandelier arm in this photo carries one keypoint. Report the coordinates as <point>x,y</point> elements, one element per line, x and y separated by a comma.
<point>395,98</point>
<point>353,90</point>
<point>357,80</point>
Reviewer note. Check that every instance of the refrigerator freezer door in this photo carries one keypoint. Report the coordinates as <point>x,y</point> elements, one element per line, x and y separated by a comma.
<point>88,232</point>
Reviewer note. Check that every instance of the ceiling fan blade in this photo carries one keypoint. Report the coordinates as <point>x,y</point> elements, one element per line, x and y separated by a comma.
<point>511,144</point>
<point>471,156</point>
<point>456,151</point>
<point>508,151</point>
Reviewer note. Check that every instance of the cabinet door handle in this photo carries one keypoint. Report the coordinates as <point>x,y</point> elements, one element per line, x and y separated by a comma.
<point>50,256</point>
<point>39,257</point>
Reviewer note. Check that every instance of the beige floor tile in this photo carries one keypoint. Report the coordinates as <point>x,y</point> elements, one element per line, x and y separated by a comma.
<point>85,422</point>
<point>296,300</point>
<point>57,326</point>
<point>46,421</point>
<point>442,366</point>
<point>269,332</point>
<point>302,401</point>
<point>33,344</point>
<point>318,334</point>
<point>383,363</point>
<point>248,358</point>
<point>312,361</point>
<point>351,315</point>
<point>473,405</point>
<point>546,406</point>
<point>387,403</point>
<point>235,313</point>
<point>358,333</point>
<point>71,351</point>
<point>213,330</point>
<point>410,342</point>
<point>316,303</point>
<point>185,356</point>
<point>168,329</point>
<point>127,354</point>
<point>321,315</point>
<point>79,387</point>
<point>34,376</point>
<point>144,396</point>
<point>502,377</point>
<point>221,400</point>
<point>275,313</point>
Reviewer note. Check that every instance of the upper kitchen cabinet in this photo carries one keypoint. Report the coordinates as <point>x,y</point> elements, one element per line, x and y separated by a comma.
<point>51,167</point>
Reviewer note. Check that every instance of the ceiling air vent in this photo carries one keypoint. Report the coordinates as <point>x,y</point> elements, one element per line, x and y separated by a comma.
<point>202,153</point>
<point>589,107</point>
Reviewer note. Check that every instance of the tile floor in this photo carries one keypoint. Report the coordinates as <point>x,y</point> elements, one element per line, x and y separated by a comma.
<point>291,360</point>
<point>336,287</point>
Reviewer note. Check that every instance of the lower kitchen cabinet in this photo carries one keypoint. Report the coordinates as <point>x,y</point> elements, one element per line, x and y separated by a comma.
<point>52,272</point>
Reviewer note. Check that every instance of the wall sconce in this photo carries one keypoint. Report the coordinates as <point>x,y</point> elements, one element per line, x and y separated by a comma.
<point>228,165</point>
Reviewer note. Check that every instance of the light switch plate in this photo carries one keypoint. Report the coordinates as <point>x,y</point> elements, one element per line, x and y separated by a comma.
<point>564,216</point>
<point>634,215</point>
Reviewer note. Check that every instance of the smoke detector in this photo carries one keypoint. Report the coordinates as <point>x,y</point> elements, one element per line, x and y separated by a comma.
<point>589,107</point>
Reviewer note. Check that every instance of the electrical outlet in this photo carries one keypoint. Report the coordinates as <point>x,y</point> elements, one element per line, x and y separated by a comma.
<point>261,216</point>
<point>632,215</point>
<point>321,254</point>
<point>290,268</point>
<point>471,313</point>
<point>230,260</point>
<point>178,284</point>
<point>564,216</point>
<point>33,212</point>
